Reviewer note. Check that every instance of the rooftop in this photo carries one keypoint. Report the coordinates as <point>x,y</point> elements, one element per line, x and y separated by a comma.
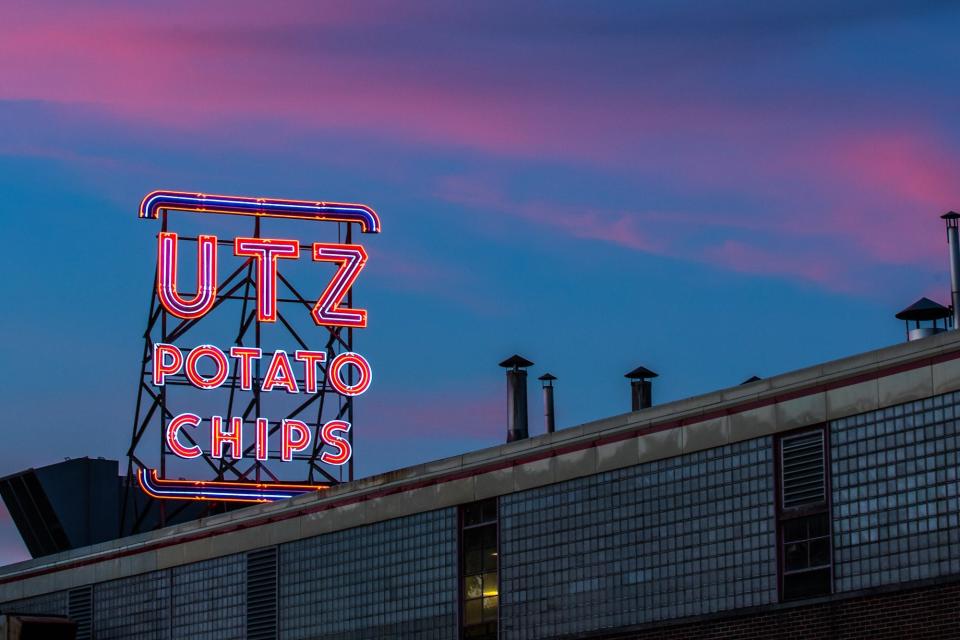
<point>812,395</point>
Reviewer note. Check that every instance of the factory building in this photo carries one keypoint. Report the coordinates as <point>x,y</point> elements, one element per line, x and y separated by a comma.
<point>823,502</point>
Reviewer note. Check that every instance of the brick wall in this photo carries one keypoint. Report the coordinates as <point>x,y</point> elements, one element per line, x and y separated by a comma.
<point>930,612</point>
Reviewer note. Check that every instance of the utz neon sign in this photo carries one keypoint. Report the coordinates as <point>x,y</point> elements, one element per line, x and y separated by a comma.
<point>208,366</point>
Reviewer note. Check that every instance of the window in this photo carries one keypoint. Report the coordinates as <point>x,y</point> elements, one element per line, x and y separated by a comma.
<point>480,591</point>
<point>806,567</point>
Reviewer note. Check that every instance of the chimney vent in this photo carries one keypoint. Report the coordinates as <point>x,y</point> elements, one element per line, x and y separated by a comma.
<point>952,218</point>
<point>641,389</point>
<point>548,414</point>
<point>924,310</point>
<point>516,397</point>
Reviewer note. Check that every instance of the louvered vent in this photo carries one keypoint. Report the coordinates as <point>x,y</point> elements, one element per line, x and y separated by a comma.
<point>803,470</point>
<point>262,594</point>
<point>80,611</point>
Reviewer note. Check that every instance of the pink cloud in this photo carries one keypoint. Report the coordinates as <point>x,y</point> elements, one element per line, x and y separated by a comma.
<point>478,414</point>
<point>103,163</point>
<point>891,186</point>
<point>585,223</point>
<point>201,72</point>
<point>218,66</point>
<point>870,185</point>
<point>813,266</point>
<point>222,65</point>
<point>408,271</point>
<point>907,166</point>
<point>875,192</point>
<point>670,234</point>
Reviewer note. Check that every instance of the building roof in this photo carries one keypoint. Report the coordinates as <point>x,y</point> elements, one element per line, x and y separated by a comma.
<point>865,382</point>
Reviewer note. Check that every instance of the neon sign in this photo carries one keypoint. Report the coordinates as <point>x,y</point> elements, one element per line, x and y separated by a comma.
<point>207,367</point>
<point>363,215</point>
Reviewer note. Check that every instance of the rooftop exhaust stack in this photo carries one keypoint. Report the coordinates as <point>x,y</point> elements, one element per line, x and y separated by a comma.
<point>516,397</point>
<point>547,380</point>
<point>924,310</point>
<point>952,218</point>
<point>641,389</point>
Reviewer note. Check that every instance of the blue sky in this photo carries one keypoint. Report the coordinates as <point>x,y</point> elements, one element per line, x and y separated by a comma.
<point>713,191</point>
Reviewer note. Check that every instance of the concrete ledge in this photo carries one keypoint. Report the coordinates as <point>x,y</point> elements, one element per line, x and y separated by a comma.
<point>616,455</point>
<point>534,474</point>
<point>801,412</point>
<point>575,464</point>
<point>853,399</point>
<point>906,386</point>
<point>494,483</point>
<point>706,435</point>
<point>752,423</point>
<point>660,444</point>
<point>455,492</point>
<point>946,376</point>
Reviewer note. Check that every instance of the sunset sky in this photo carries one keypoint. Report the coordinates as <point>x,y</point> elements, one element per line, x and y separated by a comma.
<point>711,189</point>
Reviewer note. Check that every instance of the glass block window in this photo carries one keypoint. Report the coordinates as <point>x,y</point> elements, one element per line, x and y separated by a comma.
<point>393,579</point>
<point>685,536</point>
<point>480,588</point>
<point>49,603</point>
<point>208,599</point>
<point>135,607</point>
<point>896,506</point>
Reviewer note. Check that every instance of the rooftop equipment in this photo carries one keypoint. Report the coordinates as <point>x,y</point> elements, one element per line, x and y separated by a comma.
<point>641,389</point>
<point>516,397</point>
<point>924,310</point>
<point>952,218</point>
<point>65,505</point>
<point>547,380</point>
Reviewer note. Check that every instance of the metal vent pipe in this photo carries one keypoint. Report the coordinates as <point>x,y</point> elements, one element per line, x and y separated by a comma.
<point>641,389</point>
<point>548,413</point>
<point>516,397</point>
<point>952,218</point>
<point>641,394</point>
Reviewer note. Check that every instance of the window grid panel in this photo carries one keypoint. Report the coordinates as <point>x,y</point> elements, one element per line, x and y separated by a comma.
<point>135,607</point>
<point>684,536</point>
<point>55,603</point>
<point>896,506</point>
<point>209,599</point>
<point>393,579</point>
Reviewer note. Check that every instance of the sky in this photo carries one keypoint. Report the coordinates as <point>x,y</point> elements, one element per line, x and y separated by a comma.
<point>712,190</point>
